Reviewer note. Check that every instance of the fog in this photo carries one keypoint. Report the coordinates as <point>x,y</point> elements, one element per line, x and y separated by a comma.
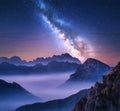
<point>47,86</point>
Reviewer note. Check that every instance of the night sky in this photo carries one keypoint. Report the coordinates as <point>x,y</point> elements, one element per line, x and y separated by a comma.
<point>42,28</point>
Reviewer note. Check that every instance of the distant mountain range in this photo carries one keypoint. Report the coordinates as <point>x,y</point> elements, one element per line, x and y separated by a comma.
<point>12,95</point>
<point>90,70</point>
<point>7,68</point>
<point>104,96</point>
<point>44,61</point>
<point>56,105</point>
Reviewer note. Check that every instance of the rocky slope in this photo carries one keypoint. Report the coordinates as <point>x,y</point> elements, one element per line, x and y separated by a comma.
<point>55,105</point>
<point>90,70</point>
<point>103,96</point>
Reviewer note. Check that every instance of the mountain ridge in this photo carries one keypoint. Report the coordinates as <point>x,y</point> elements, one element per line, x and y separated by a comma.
<point>58,58</point>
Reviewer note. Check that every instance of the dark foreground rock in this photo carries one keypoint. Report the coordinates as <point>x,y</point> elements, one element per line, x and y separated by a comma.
<point>103,96</point>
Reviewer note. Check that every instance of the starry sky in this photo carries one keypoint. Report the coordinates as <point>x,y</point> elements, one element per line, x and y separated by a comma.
<point>42,28</point>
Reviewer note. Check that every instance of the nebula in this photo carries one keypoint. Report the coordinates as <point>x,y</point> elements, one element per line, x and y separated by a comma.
<point>76,46</point>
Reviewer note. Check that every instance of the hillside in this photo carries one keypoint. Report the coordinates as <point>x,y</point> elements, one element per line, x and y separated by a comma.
<point>13,95</point>
<point>91,70</point>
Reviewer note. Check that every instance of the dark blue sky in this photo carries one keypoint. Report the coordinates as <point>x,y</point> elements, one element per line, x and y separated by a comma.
<point>96,23</point>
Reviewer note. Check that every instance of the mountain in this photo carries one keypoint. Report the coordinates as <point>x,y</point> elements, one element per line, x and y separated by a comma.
<point>12,95</point>
<point>103,96</point>
<point>90,70</point>
<point>62,66</point>
<point>55,105</point>
<point>7,68</point>
<point>58,58</point>
<point>54,66</point>
<point>13,60</point>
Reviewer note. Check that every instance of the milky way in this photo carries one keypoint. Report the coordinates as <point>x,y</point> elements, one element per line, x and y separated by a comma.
<point>76,46</point>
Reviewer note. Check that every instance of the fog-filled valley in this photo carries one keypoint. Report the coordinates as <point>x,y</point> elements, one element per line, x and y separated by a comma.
<point>43,87</point>
<point>48,86</point>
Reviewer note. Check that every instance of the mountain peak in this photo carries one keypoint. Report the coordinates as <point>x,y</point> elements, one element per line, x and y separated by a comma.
<point>66,55</point>
<point>92,61</point>
<point>15,58</point>
<point>2,82</point>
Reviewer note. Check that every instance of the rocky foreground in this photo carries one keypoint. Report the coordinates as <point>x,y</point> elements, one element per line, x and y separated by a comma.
<point>103,96</point>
